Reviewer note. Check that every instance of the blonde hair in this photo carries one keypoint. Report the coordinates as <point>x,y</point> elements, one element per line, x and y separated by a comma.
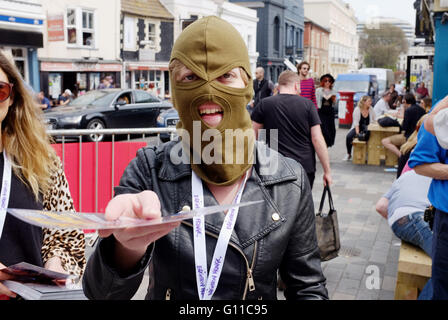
<point>176,66</point>
<point>24,137</point>
<point>362,102</point>
<point>412,140</point>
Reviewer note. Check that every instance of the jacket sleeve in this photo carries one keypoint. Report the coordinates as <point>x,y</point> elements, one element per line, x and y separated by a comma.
<point>101,279</point>
<point>301,266</point>
<point>67,244</point>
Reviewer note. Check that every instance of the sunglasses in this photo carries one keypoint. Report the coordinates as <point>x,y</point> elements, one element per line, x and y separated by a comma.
<point>5,90</point>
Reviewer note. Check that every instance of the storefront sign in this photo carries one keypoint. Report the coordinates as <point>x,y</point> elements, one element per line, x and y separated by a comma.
<point>55,26</point>
<point>79,67</point>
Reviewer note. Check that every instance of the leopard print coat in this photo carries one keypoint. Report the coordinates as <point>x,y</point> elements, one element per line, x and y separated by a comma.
<point>67,244</point>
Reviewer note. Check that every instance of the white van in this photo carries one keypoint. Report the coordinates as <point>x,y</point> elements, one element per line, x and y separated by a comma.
<point>385,77</point>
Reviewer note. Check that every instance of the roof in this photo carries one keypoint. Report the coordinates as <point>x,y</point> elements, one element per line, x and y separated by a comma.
<point>307,20</point>
<point>146,8</point>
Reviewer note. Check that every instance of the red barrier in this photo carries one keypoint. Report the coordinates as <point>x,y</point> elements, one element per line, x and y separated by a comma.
<point>124,152</point>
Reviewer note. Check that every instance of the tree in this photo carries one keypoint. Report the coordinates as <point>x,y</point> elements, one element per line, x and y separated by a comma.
<point>382,46</point>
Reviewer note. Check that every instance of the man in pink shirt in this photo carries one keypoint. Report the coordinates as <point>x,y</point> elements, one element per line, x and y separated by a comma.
<point>307,89</point>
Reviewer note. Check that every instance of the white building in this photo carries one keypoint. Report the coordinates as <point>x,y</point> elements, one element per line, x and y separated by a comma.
<point>242,18</point>
<point>339,18</point>
<point>21,34</point>
<point>81,45</point>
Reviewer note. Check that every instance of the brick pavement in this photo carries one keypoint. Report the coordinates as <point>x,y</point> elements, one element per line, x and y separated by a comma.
<point>366,239</point>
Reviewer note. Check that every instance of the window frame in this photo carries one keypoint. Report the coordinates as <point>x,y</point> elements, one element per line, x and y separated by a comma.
<point>79,27</point>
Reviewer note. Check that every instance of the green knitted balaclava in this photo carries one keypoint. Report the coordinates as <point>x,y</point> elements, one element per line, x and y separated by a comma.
<point>210,47</point>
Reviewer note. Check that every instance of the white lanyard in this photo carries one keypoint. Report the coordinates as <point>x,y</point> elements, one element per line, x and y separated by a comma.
<point>208,284</point>
<point>4,195</point>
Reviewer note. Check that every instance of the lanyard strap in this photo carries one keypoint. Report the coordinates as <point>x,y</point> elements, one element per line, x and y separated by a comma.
<point>208,284</point>
<point>6,188</point>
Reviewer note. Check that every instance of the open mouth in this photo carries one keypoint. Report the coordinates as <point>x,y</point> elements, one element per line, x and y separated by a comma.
<point>211,114</point>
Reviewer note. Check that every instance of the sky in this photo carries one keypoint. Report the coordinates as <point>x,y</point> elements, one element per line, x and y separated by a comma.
<point>400,9</point>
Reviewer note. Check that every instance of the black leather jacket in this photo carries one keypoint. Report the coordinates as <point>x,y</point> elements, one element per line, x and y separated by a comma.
<point>278,234</point>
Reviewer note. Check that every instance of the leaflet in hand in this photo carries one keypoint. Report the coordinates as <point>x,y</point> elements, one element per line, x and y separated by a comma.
<point>79,220</point>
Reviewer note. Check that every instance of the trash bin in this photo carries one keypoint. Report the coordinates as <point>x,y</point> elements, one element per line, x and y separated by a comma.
<point>345,109</point>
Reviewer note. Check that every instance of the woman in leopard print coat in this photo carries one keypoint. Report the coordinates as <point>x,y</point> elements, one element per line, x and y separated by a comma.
<point>37,181</point>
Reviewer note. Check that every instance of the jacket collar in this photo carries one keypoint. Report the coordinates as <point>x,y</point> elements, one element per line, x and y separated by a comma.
<point>270,166</point>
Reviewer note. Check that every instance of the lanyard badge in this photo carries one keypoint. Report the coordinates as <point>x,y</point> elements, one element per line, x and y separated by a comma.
<point>6,188</point>
<point>207,283</point>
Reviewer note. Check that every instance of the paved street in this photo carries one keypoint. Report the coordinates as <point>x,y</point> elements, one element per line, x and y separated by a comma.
<point>366,239</point>
<point>367,242</point>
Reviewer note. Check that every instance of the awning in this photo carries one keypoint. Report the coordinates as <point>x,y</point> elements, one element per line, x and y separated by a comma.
<point>21,38</point>
<point>290,65</point>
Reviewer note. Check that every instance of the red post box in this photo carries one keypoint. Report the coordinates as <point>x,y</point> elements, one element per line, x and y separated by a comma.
<point>345,109</point>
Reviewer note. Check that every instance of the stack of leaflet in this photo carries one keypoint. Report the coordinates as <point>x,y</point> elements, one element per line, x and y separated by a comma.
<point>35,283</point>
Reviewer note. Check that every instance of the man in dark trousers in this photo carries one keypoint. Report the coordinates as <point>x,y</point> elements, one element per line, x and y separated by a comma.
<point>262,88</point>
<point>298,124</point>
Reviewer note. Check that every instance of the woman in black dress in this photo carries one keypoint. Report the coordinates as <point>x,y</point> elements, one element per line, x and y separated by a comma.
<point>326,99</point>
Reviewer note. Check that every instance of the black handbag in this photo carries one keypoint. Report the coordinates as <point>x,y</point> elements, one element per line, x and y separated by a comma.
<point>387,121</point>
<point>327,229</point>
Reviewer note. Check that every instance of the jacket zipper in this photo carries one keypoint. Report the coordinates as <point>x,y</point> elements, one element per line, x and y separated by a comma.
<point>249,280</point>
<point>168,294</point>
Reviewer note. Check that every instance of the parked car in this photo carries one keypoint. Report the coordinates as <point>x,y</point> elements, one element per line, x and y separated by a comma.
<point>361,84</point>
<point>108,108</point>
<point>167,118</point>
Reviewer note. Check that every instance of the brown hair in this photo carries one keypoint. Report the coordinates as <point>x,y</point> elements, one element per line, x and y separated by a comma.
<point>301,64</point>
<point>24,136</point>
<point>428,103</point>
<point>288,77</point>
<point>322,82</point>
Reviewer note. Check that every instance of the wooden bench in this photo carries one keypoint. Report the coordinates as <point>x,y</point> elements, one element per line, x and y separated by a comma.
<point>359,151</point>
<point>414,270</point>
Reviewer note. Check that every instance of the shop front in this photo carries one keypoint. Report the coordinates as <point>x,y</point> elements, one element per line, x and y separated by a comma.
<point>153,78</point>
<point>78,76</point>
<point>21,30</point>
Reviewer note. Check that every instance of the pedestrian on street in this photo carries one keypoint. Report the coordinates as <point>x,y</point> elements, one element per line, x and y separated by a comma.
<point>430,159</point>
<point>326,101</point>
<point>298,124</point>
<point>262,88</point>
<point>307,89</point>
<point>211,88</point>
<point>33,179</point>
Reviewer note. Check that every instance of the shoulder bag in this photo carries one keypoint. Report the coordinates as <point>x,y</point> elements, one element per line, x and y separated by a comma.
<point>327,229</point>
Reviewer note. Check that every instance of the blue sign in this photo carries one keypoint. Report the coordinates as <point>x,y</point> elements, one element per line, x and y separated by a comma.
<point>38,22</point>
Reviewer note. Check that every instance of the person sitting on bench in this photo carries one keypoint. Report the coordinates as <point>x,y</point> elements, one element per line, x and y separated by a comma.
<point>404,206</point>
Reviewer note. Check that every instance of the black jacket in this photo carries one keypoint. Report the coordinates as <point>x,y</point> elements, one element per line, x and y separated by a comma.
<point>261,90</point>
<point>260,244</point>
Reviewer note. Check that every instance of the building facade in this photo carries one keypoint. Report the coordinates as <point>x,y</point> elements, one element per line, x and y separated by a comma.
<point>243,19</point>
<point>280,33</point>
<point>21,34</point>
<point>147,33</point>
<point>338,17</point>
<point>316,45</point>
<point>81,46</point>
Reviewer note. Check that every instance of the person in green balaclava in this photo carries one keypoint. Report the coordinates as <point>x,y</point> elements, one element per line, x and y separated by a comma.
<point>198,51</point>
<point>229,255</point>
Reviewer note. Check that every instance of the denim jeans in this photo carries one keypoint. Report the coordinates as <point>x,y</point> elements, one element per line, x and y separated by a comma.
<point>440,256</point>
<point>413,229</point>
